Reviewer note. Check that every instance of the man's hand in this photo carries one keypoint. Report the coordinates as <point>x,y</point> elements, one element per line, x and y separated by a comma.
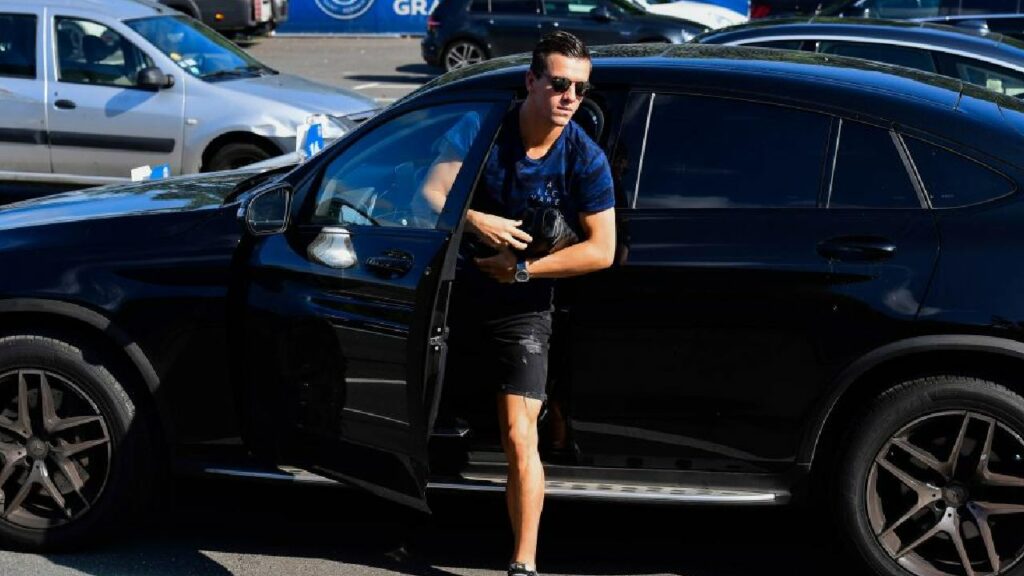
<point>498,232</point>
<point>501,266</point>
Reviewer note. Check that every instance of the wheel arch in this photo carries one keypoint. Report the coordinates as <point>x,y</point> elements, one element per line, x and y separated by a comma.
<point>997,359</point>
<point>40,316</point>
<point>238,136</point>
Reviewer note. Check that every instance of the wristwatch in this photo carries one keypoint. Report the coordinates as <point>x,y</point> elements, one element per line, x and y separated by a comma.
<point>522,274</point>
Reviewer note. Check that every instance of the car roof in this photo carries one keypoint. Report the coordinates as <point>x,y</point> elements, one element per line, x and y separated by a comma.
<point>120,9</point>
<point>850,87</point>
<point>961,39</point>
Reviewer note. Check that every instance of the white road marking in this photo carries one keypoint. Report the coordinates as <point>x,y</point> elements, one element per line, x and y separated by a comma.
<point>365,86</point>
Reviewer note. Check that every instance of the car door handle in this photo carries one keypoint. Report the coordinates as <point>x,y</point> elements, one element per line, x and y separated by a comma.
<point>857,249</point>
<point>392,263</point>
<point>65,104</point>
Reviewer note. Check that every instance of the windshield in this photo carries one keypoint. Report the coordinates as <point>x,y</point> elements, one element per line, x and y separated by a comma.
<point>196,48</point>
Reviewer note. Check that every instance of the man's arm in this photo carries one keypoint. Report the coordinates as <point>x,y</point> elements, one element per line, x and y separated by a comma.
<point>594,253</point>
<point>439,181</point>
<point>494,230</point>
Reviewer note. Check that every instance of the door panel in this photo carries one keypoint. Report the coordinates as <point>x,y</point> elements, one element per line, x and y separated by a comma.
<point>344,357</point>
<point>513,26</point>
<point>575,16</point>
<point>735,298</point>
<point>23,118</point>
<point>100,123</point>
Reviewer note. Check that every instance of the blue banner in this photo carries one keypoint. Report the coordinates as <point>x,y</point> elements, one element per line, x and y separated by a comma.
<point>357,17</point>
<point>384,17</point>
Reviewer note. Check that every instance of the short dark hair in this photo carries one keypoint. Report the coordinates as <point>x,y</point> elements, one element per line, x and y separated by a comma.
<point>558,42</point>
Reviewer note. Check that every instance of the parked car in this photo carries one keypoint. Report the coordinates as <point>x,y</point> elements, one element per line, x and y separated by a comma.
<point>235,18</point>
<point>780,324</point>
<point>988,60</point>
<point>710,15</point>
<point>93,89</point>
<point>1011,25</point>
<point>186,7</point>
<point>463,32</point>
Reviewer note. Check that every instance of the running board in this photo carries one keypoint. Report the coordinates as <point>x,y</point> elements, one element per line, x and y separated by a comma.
<point>573,489</point>
<point>584,490</point>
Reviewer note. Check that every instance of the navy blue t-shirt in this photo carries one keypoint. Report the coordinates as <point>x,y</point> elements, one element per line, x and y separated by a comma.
<point>574,176</point>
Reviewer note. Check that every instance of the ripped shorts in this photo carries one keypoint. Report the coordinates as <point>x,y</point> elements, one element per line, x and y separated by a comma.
<point>509,352</point>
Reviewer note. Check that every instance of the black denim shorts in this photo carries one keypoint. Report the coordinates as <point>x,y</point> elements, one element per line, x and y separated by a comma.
<point>508,353</point>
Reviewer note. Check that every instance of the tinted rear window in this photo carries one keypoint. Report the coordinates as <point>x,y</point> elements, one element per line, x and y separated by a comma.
<point>869,172</point>
<point>989,7</point>
<point>898,55</point>
<point>513,7</point>
<point>18,45</point>
<point>952,180</point>
<point>779,44</point>
<point>704,152</point>
<point>998,78</point>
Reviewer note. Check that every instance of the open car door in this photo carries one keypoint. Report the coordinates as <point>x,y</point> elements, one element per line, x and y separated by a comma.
<point>343,304</point>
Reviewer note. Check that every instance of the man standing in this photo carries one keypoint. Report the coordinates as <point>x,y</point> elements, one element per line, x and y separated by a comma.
<point>501,319</point>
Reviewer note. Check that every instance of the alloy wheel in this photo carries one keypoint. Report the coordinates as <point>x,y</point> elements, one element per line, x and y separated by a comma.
<point>462,54</point>
<point>945,496</point>
<point>55,449</point>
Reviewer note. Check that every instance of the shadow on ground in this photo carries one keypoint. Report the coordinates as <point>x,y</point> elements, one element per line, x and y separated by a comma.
<point>272,529</point>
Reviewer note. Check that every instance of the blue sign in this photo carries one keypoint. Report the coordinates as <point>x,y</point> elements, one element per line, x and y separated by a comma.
<point>385,17</point>
<point>160,171</point>
<point>314,141</point>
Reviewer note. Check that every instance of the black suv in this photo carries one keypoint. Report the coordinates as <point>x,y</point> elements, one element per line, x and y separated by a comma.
<point>816,295</point>
<point>462,32</point>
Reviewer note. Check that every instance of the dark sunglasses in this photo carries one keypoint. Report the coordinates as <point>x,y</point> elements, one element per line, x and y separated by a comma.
<point>561,85</point>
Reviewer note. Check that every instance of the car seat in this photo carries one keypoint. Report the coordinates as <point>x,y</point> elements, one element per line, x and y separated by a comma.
<point>590,117</point>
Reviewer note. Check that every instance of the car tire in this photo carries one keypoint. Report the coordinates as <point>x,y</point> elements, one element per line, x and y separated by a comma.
<point>905,501</point>
<point>73,449</point>
<point>236,155</point>
<point>461,53</point>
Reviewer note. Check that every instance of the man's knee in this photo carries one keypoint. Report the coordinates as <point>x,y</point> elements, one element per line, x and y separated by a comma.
<point>521,433</point>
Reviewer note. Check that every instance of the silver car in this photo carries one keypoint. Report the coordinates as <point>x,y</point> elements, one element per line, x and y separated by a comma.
<point>90,89</point>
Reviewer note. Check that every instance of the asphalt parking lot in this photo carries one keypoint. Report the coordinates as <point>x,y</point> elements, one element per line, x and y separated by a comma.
<point>216,527</point>
<point>383,68</point>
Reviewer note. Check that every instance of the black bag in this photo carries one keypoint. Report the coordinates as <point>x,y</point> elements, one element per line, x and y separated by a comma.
<point>548,228</point>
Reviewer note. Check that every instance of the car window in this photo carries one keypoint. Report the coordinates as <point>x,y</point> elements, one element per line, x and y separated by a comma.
<point>989,7</point>
<point>197,49</point>
<point>952,180</point>
<point>479,6</point>
<point>1004,80</point>
<point>904,8</point>
<point>704,152</point>
<point>779,44</point>
<point>570,7</point>
<point>380,178</point>
<point>898,55</point>
<point>18,45</point>
<point>869,172</point>
<point>514,7</point>
<point>91,53</point>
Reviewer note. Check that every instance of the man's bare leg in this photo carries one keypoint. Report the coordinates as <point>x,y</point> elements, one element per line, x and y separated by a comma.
<point>524,492</point>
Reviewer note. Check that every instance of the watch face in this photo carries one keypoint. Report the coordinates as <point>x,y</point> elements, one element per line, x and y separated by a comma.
<point>522,276</point>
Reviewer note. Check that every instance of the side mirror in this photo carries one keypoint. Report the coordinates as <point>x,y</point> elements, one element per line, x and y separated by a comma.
<point>602,14</point>
<point>153,78</point>
<point>267,212</point>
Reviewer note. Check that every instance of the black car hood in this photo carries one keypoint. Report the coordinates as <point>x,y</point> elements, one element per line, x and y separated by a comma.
<point>183,194</point>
